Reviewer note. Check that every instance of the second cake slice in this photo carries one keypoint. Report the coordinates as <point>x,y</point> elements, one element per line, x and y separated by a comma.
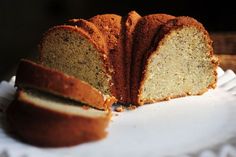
<point>32,75</point>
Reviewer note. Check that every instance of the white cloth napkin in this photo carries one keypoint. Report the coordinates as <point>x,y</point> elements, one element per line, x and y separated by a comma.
<point>7,92</point>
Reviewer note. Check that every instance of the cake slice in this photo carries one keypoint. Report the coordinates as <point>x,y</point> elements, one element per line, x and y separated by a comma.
<point>180,62</point>
<point>74,51</point>
<point>144,34</point>
<point>111,27</point>
<point>49,121</point>
<point>32,75</point>
<point>130,22</point>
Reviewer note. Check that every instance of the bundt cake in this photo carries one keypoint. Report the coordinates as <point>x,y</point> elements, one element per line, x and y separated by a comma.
<point>49,121</point>
<point>116,55</point>
<point>35,76</point>
<point>84,63</point>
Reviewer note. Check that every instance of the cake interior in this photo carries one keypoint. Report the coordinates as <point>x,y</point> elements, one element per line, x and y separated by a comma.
<point>59,104</point>
<point>181,65</point>
<point>70,52</point>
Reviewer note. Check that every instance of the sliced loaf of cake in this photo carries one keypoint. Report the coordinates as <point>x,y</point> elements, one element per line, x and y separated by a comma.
<point>111,27</point>
<point>32,75</point>
<point>144,34</point>
<point>49,121</point>
<point>180,62</point>
<point>130,22</point>
<point>74,51</point>
<point>112,53</point>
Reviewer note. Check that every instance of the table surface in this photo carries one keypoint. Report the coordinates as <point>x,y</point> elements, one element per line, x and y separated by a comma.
<point>224,44</point>
<point>227,61</point>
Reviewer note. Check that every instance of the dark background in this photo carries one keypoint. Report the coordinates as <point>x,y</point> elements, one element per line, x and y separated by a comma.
<point>22,22</point>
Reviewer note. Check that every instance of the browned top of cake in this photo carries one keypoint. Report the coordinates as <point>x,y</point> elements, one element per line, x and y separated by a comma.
<point>130,22</point>
<point>110,26</point>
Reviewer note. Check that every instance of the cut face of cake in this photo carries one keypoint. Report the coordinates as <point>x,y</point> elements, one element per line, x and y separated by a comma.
<point>144,33</point>
<point>73,51</point>
<point>180,63</point>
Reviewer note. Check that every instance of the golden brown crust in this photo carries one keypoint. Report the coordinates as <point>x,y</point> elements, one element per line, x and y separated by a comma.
<point>165,30</point>
<point>145,32</point>
<point>30,74</point>
<point>85,31</point>
<point>48,128</point>
<point>130,22</point>
<point>110,26</point>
